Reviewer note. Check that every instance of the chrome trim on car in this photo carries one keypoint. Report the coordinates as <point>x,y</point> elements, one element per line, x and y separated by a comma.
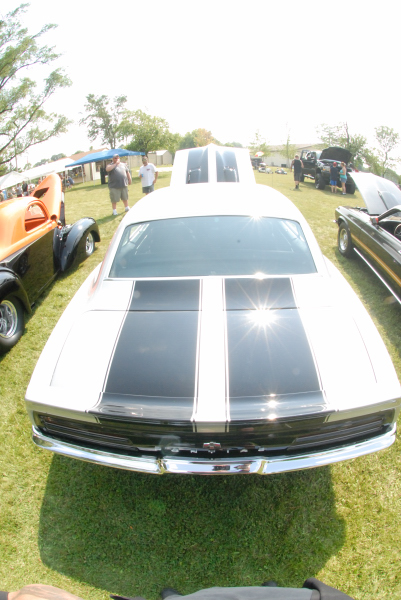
<point>260,465</point>
<point>384,282</point>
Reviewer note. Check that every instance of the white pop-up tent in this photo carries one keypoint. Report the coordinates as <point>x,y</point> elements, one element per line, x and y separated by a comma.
<point>14,178</point>
<point>11,179</point>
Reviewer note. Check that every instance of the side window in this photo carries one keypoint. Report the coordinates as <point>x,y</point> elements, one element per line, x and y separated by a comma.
<point>34,216</point>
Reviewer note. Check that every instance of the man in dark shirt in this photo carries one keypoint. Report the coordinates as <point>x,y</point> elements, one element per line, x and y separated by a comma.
<point>297,165</point>
<point>119,178</point>
<point>333,177</point>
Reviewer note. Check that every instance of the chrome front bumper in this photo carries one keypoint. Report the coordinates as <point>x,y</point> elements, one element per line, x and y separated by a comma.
<point>185,466</point>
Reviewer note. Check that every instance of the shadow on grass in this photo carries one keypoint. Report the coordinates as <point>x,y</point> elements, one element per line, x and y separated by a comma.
<point>133,534</point>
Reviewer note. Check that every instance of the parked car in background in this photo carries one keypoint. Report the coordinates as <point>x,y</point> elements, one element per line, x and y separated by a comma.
<point>263,168</point>
<point>35,245</point>
<point>317,164</point>
<point>217,340</point>
<point>281,172</point>
<point>373,232</point>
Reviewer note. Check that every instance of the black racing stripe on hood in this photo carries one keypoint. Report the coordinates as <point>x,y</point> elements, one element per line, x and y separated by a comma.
<point>155,356</point>
<point>281,406</point>
<point>258,294</point>
<point>269,353</point>
<point>181,294</point>
<point>146,407</point>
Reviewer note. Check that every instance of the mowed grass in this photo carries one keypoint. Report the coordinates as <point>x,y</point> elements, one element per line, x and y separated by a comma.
<point>94,530</point>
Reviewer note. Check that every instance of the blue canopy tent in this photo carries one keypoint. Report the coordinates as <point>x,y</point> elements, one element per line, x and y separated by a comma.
<point>102,156</point>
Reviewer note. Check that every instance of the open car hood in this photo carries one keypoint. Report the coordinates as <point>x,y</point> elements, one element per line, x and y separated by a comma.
<point>379,194</point>
<point>336,153</point>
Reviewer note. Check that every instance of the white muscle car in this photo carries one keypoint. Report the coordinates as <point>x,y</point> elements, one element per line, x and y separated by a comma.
<point>216,332</point>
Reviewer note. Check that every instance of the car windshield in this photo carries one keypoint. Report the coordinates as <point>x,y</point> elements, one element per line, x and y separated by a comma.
<point>213,245</point>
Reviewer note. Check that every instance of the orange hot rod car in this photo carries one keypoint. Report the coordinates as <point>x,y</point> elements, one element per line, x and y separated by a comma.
<point>35,245</point>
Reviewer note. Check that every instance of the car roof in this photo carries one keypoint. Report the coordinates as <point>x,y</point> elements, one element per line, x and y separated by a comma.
<point>208,199</point>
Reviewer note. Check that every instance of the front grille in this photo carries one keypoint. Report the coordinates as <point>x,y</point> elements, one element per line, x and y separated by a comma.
<point>243,440</point>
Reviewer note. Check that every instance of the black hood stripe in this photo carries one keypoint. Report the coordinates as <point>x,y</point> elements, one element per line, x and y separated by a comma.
<point>156,369</point>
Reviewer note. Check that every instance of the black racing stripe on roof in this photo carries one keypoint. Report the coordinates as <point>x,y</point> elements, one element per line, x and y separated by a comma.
<point>268,354</point>
<point>258,294</point>
<point>197,166</point>
<point>226,166</point>
<point>156,356</point>
<point>175,294</point>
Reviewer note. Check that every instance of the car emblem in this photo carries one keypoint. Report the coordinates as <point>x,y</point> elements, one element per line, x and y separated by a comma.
<point>211,446</point>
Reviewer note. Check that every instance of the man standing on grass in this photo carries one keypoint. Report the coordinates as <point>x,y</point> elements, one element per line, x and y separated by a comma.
<point>148,175</point>
<point>333,177</point>
<point>297,165</point>
<point>119,178</point>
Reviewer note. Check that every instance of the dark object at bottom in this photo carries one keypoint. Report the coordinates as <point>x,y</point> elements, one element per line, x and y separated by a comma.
<point>326,592</point>
<point>166,592</point>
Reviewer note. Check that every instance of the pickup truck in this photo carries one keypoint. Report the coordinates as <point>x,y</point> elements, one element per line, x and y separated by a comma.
<point>317,165</point>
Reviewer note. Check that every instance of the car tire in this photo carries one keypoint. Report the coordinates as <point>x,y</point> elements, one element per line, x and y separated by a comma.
<point>320,182</point>
<point>11,323</point>
<point>350,188</point>
<point>89,244</point>
<point>345,245</point>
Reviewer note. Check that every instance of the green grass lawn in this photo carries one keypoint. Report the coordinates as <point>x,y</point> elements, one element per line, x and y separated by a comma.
<point>94,530</point>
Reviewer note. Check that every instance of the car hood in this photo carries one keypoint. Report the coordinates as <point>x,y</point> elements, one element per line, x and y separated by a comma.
<point>217,350</point>
<point>336,153</point>
<point>379,194</point>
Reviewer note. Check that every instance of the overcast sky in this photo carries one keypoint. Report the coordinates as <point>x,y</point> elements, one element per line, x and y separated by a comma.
<point>230,66</point>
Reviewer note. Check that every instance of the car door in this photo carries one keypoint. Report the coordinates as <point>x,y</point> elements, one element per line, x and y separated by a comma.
<point>34,262</point>
<point>379,246</point>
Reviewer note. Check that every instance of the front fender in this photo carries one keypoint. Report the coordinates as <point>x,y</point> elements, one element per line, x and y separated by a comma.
<point>11,285</point>
<point>74,240</point>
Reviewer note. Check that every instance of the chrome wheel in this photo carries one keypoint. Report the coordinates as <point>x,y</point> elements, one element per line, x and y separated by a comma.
<point>345,245</point>
<point>89,244</point>
<point>8,319</point>
<point>343,240</point>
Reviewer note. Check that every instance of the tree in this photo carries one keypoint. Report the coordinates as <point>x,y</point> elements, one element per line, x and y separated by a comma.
<point>259,144</point>
<point>104,118</point>
<point>288,150</point>
<point>23,120</point>
<point>197,138</point>
<point>233,145</point>
<point>339,135</point>
<point>148,133</point>
<point>387,140</point>
<point>57,156</point>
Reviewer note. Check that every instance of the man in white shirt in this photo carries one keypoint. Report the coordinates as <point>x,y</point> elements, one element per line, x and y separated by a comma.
<point>148,175</point>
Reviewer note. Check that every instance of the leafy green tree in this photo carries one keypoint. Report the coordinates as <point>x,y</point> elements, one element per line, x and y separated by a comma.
<point>104,118</point>
<point>197,138</point>
<point>233,145</point>
<point>259,144</point>
<point>23,120</point>
<point>57,156</point>
<point>330,134</point>
<point>288,150</point>
<point>387,140</point>
<point>147,132</point>
<point>339,135</point>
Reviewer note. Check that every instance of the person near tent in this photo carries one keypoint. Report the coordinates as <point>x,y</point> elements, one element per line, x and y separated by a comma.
<point>148,175</point>
<point>119,179</point>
